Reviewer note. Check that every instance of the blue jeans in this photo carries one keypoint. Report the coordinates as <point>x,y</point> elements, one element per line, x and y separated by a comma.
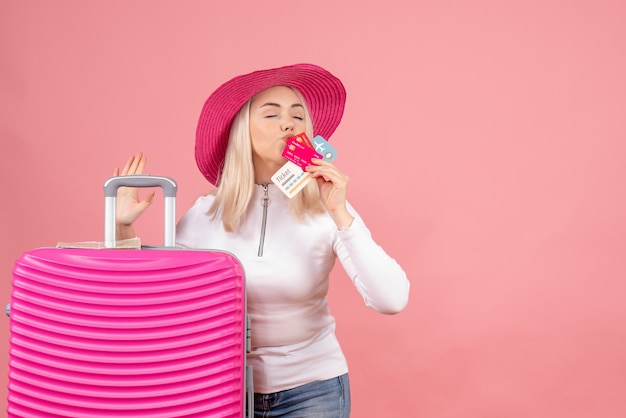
<point>323,399</point>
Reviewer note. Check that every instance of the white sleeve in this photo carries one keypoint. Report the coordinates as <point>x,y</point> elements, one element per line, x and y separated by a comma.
<point>187,226</point>
<point>380,280</point>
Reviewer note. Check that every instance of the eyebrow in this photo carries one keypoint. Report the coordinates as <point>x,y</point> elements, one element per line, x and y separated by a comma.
<point>277,105</point>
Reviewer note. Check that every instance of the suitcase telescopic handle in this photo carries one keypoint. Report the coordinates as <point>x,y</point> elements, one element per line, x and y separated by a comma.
<point>140,180</point>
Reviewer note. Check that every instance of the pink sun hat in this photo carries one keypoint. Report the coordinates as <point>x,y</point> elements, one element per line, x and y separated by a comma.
<point>324,94</point>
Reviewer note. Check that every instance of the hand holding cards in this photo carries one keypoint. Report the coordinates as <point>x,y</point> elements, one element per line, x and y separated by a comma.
<point>299,151</point>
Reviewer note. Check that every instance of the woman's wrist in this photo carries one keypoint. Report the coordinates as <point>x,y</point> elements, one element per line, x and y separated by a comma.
<point>343,220</point>
<point>124,232</point>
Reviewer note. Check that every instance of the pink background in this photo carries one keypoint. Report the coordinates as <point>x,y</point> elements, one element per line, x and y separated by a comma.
<point>485,141</point>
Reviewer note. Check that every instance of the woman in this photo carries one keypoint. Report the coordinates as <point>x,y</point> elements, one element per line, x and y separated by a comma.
<point>286,246</point>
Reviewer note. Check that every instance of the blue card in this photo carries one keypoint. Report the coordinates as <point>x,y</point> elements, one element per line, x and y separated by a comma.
<point>323,148</point>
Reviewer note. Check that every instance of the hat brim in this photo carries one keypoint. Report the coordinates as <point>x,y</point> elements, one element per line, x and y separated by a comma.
<point>324,94</point>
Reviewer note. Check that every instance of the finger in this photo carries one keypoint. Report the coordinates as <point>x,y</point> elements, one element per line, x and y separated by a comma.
<point>135,163</point>
<point>321,174</point>
<point>129,163</point>
<point>147,201</point>
<point>142,163</point>
<point>315,170</point>
<point>329,173</point>
<point>321,163</point>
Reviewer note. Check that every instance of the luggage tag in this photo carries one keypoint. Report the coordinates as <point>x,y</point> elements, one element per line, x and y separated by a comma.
<point>292,177</point>
<point>323,148</point>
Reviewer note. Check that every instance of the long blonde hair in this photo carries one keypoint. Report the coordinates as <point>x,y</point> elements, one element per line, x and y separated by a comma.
<point>236,182</point>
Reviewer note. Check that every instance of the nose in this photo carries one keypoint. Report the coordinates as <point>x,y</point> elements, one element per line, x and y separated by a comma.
<point>288,124</point>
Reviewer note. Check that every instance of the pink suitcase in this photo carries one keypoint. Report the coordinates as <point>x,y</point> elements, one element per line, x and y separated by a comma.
<point>151,332</point>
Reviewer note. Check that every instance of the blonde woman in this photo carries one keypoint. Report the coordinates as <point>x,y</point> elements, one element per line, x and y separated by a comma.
<point>286,246</point>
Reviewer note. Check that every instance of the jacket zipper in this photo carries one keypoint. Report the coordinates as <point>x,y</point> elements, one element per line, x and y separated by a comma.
<point>265,201</point>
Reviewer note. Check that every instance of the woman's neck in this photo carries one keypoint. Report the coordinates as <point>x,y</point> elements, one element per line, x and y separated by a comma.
<point>264,175</point>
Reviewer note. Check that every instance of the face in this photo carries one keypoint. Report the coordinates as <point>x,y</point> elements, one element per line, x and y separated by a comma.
<point>276,114</point>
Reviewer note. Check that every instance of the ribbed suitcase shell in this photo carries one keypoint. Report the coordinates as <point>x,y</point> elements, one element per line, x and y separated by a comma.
<point>127,333</point>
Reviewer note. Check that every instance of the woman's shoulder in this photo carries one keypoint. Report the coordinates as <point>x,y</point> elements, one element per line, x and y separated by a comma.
<point>206,200</point>
<point>202,203</point>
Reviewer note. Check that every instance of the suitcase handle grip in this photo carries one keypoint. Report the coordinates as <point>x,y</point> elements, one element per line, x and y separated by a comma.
<point>140,180</point>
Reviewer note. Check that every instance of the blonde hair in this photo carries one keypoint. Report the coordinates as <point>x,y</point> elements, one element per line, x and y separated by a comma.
<point>236,181</point>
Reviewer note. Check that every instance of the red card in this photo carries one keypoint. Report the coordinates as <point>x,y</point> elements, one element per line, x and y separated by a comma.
<point>303,139</point>
<point>298,153</point>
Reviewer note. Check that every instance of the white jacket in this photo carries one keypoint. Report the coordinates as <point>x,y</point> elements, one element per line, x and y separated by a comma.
<point>293,338</point>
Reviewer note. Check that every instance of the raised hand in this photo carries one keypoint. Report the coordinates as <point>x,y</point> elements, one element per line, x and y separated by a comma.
<point>333,186</point>
<point>129,204</point>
